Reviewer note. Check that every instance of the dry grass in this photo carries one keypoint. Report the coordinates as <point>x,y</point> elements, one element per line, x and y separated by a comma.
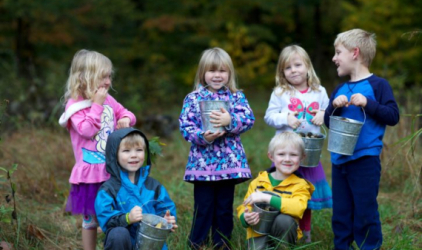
<point>45,159</point>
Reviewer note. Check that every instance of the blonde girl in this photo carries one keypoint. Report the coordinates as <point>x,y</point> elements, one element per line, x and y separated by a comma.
<point>217,160</point>
<point>91,114</point>
<point>297,104</point>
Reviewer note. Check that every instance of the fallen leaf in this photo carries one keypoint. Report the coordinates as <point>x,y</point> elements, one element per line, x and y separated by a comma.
<point>34,232</point>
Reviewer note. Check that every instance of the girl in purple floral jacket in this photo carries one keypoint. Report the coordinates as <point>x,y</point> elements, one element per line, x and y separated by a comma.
<point>217,160</point>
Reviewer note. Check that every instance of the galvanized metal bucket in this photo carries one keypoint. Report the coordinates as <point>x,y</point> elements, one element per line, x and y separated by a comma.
<point>206,108</point>
<point>313,148</point>
<point>267,216</point>
<point>149,236</point>
<point>344,134</point>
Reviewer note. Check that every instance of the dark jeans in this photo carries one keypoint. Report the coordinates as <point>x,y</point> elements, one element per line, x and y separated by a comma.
<point>118,238</point>
<point>213,210</point>
<point>283,232</point>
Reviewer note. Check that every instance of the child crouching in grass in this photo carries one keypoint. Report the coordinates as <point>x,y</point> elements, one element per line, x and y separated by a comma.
<point>286,150</point>
<point>130,192</point>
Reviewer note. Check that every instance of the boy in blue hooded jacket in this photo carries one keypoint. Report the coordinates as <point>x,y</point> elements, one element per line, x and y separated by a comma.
<point>130,191</point>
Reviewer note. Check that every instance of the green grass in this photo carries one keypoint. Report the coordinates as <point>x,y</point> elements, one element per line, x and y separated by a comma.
<point>45,158</point>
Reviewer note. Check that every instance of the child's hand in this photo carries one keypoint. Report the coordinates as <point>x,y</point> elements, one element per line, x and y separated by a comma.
<point>135,214</point>
<point>341,101</point>
<point>292,120</point>
<point>100,95</point>
<point>171,219</point>
<point>220,119</point>
<point>358,100</point>
<point>257,197</point>
<point>210,136</point>
<point>252,218</point>
<point>318,118</point>
<point>123,123</point>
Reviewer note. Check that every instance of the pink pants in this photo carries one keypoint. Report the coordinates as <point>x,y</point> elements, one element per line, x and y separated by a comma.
<point>305,222</point>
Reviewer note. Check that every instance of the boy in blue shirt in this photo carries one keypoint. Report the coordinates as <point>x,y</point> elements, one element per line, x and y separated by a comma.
<point>355,178</point>
<point>130,192</point>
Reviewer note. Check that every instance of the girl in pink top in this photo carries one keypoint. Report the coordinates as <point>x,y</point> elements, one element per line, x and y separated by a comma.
<point>91,114</point>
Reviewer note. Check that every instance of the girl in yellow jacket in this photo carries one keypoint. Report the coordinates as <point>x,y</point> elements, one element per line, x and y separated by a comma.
<point>283,189</point>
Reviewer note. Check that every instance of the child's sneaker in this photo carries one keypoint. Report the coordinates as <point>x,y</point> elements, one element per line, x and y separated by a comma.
<point>307,236</point>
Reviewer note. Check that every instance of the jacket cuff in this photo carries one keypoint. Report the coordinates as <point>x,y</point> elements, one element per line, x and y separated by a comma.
<point>276,202</point>
<point>243,221</point>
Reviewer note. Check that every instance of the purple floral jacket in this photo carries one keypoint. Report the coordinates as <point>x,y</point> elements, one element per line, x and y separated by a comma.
<point>224,158</point>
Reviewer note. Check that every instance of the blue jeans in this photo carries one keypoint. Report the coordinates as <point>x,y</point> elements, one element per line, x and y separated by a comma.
<point>355,207</point>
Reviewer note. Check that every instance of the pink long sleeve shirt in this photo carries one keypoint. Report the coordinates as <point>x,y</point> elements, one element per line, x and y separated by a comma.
<point>89,125</point>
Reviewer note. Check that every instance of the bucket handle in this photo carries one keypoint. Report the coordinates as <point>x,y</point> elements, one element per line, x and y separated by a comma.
<point>325,131</point>
<point>364,114</point>
<point>158,201</point>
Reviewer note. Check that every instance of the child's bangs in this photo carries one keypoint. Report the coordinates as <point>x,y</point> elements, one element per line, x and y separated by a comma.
<point>215,62</point>
<point>133,140</point>
<point>286,139</point>
<point>105,67</point>
<point>105,72</point>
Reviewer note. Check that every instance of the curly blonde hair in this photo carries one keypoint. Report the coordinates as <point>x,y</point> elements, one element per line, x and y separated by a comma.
<point>215,59</point>
<point>88,68</point>
<point>280,79</point>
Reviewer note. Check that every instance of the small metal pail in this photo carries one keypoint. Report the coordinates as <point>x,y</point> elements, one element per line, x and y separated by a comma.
<point>148,236</point>
<point>344,134</point>
<point>206,108</point>
<point>267,215</point>
<point>313,148</point>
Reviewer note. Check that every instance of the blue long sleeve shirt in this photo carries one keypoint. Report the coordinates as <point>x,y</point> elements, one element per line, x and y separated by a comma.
<point>381,110</point>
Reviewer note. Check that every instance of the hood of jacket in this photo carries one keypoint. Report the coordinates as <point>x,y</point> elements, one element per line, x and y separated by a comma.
<point>112,165</point>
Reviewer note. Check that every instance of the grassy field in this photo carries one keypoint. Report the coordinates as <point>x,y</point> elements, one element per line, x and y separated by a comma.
<point>45,159</point>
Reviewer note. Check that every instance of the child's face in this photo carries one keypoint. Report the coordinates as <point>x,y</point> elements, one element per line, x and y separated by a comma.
<point>296,72</point>
<point>131,158</point>
<point>105,81</point>
<point>217,78</point>
<point>343,58</point>
<point>286,160</point>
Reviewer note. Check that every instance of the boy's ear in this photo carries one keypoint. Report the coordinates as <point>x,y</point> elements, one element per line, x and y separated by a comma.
<point>270,156</point>
<point>356,52</point>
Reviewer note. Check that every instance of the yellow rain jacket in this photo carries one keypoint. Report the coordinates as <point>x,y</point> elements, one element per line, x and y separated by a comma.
<point>294,191</point>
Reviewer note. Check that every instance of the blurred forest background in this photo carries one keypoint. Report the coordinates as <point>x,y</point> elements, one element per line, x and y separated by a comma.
<point>155,46</point>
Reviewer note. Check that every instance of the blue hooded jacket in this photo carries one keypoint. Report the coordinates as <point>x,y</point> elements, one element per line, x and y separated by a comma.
<point>118,195</point>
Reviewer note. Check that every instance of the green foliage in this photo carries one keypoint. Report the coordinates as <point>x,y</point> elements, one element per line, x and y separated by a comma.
<point>397,26</point>
<point>155,147</point>
<point>8,212</point>
<point>155,45</point>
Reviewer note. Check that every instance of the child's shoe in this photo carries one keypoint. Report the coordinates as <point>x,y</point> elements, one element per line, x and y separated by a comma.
<point>307,236</point>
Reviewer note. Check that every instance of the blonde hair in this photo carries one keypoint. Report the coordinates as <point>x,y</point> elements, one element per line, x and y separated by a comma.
<point>133,140</point>
<point>88,68</point>
<point>286,139</point>
<point>358,38</point>
<point>215,59</point>
<point>285,56</point>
